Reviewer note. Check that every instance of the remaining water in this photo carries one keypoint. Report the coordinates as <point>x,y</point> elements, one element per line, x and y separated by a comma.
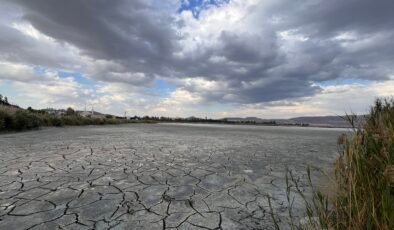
<point>150,176</point>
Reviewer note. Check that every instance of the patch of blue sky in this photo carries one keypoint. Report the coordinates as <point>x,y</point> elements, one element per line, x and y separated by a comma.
<point>7,90</point>
<point>339,82</point>
<point>65,74</point>
<point>40,69</point>
<point>218,107</point>
<point>78,77</point>
<point>196,6</point>
<point>162,88</point>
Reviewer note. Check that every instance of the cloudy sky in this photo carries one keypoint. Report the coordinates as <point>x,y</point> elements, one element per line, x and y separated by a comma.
<point>215,58</point>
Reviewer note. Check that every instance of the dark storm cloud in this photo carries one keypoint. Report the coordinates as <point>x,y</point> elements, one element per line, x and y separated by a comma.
<point>134,41</point>
<point>15,47</point>
<point>243,48</point>
<point>103,29</point>
<point>323,56</point>
<point>127,33</point>
<point>326,18</point>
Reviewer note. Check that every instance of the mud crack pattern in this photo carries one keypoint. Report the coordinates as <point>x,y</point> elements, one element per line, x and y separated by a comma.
<point>152,176</point>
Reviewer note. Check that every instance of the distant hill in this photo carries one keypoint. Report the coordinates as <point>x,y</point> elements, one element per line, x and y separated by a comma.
<point>327,121</point>
<point>240,119</point>
<point>331,121</point>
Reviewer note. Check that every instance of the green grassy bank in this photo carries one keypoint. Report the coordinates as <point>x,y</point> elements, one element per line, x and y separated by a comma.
<point>15,119</point>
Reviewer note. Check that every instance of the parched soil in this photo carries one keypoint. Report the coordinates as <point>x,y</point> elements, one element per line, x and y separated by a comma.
<point>153,176</point>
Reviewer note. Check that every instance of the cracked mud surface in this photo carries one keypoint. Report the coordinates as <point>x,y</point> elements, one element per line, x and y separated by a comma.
<point>162,176</point>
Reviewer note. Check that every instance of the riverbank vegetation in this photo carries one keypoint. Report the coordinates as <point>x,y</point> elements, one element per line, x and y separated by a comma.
<point>14,118</point>
<point>363,184</point>
<point>24,120</point>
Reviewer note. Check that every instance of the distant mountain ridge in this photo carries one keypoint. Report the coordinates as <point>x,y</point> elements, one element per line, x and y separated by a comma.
<point>326,121</point>
<point>331,121</point>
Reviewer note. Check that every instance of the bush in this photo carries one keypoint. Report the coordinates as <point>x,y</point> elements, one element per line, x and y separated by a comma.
<point>18,119</point>
<point>69,120</point>
<point>26,120</point>
<point>70,112</point>
<point>45,120</point>
<point>55,121</point>
<point>2,120</point>
<point>6,120</point>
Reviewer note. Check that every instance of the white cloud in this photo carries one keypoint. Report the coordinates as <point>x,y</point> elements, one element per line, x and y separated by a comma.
<point>28,30</point>
<point>43,88</point>
<point>204,33</point>
<point>334,100</point>
<point>262,58</point>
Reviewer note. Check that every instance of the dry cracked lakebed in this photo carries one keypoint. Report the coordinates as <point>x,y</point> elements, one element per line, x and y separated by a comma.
<point>153,176</point>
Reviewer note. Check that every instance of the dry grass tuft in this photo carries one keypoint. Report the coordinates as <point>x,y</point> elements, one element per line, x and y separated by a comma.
<point>364,178</point>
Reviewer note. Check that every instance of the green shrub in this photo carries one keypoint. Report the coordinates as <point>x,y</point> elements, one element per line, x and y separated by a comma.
<point>45,120</point>
<point>8,122</point>
<point>55,121</point>
<point>69,120</point>
<point>25,120</point>
<point>98,121</point>
<point>2,120</point>
<point>18,119</point>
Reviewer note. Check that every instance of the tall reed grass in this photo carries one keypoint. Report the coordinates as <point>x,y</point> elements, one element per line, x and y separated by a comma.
<point>363,182</point>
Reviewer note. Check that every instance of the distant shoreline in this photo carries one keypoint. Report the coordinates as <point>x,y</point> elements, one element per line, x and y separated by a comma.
<point>3,132</point>
<point>253,124</point>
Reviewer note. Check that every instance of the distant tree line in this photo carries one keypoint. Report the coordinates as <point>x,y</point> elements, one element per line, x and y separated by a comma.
<point>14,118</point>
<point>4,100</point>
<point>200,120</point>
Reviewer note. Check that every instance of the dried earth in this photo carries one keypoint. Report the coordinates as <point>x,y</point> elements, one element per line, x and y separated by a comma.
<point>153,176</point>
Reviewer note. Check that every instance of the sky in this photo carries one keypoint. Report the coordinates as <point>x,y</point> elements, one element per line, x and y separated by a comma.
<point>214,58</point>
